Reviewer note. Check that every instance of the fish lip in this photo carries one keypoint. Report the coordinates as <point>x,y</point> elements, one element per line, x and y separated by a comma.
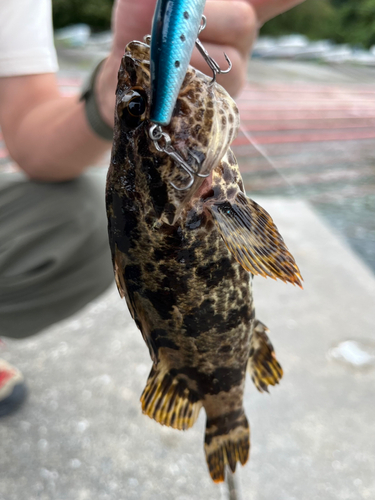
<point>134,46</point>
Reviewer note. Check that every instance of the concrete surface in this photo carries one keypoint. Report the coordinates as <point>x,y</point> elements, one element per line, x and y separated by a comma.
<point>278,70</point>
<point>82,436</point>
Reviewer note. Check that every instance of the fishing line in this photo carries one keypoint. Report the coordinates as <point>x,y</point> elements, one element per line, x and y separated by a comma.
<point>233,485</point>
<point>230,489</point>
<point>250,138</point>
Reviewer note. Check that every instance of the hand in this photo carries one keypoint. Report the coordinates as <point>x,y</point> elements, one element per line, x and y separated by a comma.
<point>232,27</point>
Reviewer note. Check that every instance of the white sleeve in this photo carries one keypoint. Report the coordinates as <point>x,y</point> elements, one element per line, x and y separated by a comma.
<point>26,38</point>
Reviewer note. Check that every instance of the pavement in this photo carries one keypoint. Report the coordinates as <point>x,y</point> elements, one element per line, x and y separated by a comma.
<point>81,434</point>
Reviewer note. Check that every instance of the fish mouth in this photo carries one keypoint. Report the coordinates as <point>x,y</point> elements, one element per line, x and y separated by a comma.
<point>204,122</point>
<point>205,118</point>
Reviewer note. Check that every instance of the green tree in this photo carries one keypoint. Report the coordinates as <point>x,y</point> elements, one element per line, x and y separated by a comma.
<point>357,23</point>
<point>95,13</point>
<point>317,19</point>
<point>343,21</point>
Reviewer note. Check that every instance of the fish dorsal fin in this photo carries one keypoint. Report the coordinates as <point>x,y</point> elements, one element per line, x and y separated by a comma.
<point>169,401</point>
<point>252,237</point>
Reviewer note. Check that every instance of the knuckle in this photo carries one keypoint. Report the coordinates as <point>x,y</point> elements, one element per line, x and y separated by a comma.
<point>245,21</point>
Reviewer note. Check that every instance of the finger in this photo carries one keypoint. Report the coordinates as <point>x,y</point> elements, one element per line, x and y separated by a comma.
<point>267,9</point>
<point>231,23</point>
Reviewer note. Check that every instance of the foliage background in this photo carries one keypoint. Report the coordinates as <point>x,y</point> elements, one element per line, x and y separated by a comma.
<point>343,21</point>
<point>95,13</point>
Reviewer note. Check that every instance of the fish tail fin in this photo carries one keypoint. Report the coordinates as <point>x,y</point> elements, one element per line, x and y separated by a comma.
<point>169,401</point>
<point>227,441</point>
<point>255,242</point>
<point>263,366</point>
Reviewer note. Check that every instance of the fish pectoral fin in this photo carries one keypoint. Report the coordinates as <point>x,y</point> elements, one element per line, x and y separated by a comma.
<point>263,366</point>
<point>119,274</point>
<point>169,401</point>
<point>252,237</point>
<point>119,268</point>
<point>226,443</point>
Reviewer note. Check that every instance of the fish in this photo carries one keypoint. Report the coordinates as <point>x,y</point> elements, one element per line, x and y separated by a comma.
<point>175,28</point>
<point>184,259</point>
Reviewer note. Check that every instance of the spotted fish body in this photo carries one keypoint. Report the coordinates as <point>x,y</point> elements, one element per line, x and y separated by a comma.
<point>174,31</point>
<point>182,260</point>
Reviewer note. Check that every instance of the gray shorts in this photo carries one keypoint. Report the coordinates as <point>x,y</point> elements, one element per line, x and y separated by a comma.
<point>54,252</point>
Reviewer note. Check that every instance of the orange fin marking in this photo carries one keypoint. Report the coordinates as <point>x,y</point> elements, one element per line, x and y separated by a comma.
<point>169,401</point>
<point>263,366</point>
<point>227,447</point>
<point>252,237</point>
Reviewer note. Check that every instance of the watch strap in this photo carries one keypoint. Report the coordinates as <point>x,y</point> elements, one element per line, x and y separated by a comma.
<point>94,118</point>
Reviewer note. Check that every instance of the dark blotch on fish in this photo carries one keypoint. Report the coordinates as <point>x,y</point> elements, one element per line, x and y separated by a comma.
<point>222,379</point>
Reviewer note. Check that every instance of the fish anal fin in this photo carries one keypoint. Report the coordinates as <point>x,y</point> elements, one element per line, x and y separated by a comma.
<point>263,366</point>
<point>254,240</point>
<point>169,401</point>
<point>226,446</point>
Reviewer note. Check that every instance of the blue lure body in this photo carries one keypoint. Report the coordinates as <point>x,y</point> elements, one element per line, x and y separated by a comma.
<point>175,28</point>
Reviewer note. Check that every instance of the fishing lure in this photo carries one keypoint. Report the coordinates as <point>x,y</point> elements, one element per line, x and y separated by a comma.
<point>175,28</point>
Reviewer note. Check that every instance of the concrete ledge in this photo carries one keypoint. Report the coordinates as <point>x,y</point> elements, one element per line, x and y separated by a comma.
<point>81,435</point>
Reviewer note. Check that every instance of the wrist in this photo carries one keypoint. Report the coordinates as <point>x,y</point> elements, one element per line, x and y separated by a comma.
<point>105,88</point>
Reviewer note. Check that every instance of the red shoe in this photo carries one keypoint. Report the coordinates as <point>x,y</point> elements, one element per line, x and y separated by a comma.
<point>12,388</point>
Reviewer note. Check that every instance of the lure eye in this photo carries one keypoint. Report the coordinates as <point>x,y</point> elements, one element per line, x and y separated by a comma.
<point>132,108</point>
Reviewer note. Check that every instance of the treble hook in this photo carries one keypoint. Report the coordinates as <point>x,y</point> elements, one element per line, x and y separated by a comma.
<point>203,25</point>
<point>199,163</point>
<point>213,65</point>
<point>156,134</point>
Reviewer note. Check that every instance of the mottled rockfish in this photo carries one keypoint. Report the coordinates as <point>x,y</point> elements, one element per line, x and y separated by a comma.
<point>184,260</point>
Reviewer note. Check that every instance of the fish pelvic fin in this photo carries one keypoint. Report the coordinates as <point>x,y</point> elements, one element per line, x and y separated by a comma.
<point>227,441</point>
<point>169,401</point>
<point>263,366</point>
<point>255,242</point>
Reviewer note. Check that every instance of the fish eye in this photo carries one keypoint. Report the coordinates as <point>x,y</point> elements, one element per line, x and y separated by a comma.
<point>132,109</point>
<point>137,106</point>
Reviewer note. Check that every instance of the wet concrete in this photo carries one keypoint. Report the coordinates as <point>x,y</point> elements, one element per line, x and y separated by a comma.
<point>81,434</point>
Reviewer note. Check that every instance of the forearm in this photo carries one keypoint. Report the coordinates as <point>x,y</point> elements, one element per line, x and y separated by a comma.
<point>54,141</point>
<point>47,134</point>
